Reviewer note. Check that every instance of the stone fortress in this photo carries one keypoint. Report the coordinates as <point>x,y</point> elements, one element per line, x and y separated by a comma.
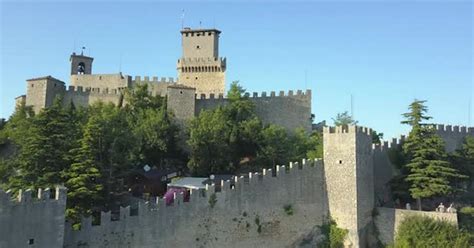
<point>280,207</point>
<point>284,207</point>
<point>200,85</point>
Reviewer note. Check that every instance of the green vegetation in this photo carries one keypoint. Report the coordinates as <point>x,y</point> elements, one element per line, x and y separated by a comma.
<point>425,168</point>
<point>418,231</point>
<point>92,151</point>
<point>466,219</point>
<point>221,139</point>
<point>344,119</point>
<point>288,209</point>
<point>335,236</point>
<point>212,200</point>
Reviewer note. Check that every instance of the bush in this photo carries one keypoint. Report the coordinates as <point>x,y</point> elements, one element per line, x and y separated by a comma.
<point>420,231</point>
<point>288,209</point>
<point>334,235</point>
<point>466,219</point>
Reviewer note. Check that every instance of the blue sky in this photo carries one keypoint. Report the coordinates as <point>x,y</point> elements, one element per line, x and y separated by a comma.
<point>385,54</point>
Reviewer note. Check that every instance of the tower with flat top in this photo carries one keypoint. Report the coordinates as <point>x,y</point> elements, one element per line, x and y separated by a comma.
<point>200,66</point>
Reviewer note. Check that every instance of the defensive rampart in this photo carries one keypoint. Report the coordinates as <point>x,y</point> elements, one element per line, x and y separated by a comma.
<point>32,221</point>
<point>261,210</point>
<point>86,96</point>
<point>387,221</point>
<point>156,86</point>
<point>288,110</point>
<point>453,135</point>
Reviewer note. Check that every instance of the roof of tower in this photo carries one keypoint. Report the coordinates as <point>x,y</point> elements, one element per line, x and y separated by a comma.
<point>45,77</point>
<point>189,30</point>
<point>80,55</point>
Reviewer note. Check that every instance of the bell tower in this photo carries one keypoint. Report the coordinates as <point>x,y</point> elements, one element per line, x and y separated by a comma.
<point>200,66</point>
<point>80,64</point>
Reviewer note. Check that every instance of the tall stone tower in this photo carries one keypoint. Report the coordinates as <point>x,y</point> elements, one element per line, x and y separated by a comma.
<point>80,64</point>
<point>200,66</point>
<point>41,92</point>
<point>348,168</point>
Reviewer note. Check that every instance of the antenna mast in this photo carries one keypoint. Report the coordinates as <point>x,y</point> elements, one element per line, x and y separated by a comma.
<point>352,107</point>
<point>182,19</point>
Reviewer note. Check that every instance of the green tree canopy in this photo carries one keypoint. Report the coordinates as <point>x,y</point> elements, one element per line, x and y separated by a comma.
<point>344,119</point>
<point>429,173</point>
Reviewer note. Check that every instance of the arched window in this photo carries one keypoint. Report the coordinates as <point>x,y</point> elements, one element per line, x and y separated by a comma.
<point>81,68</point>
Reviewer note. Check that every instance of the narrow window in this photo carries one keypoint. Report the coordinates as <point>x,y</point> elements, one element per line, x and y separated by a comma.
<point>197,47</point>
<point>31,241</point>
<point>340,161</point>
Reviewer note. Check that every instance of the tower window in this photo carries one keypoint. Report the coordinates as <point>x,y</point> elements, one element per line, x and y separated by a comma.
<point>209,33</point>
<point>32,85</point>
<point>81,68</point>
<point>196,78</point>
<point>197,47</point>
<point>31,241</point>
<point>340,161</point>
<point>181,92</point>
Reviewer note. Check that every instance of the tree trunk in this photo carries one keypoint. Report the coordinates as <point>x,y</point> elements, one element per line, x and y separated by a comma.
<point>418,200</point>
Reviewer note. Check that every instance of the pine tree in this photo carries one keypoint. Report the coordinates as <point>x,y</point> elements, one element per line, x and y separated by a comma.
<point>83,183</point>
<point>429,171</point>
<point>44,155</point>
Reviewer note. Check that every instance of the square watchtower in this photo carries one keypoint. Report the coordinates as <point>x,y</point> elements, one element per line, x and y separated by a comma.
<point>200,66</point>
<point>348,168</point>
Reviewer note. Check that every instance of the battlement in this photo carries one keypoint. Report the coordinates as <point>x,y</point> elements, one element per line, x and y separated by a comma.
<point>347,129</point>
<point>394,142</point>
<point>26,196</point>
<point>157,207</point>
<point>454,129</point>
<point>154,79</point>
<point>299,94</point>
<point>200,61</point>
<point>97,91</point>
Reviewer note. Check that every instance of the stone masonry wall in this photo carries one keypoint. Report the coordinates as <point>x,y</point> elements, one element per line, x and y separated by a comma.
<point>453,135</point>
<point>156,86</point>
<point>365,183</point>
<point>339,169</point>
<point>102,81</point>
<point>387,221</point>
<point>384,170</point>
<point>84,97</point>
<point>32,221</point>
<point>249,214</point>
<point>290,111</point>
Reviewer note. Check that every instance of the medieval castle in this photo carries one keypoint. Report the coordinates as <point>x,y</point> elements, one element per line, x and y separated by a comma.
<point>284,207</point>
<point>200,85</point>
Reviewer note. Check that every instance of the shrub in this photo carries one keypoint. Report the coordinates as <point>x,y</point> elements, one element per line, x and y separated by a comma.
<point>212,200</point>
<point>288,209</point>
<point>466,219</point>
<point>421,231</point>
<point>334,235</point>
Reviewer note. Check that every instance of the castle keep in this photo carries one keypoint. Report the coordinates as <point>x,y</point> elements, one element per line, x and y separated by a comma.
<point>200,85</point>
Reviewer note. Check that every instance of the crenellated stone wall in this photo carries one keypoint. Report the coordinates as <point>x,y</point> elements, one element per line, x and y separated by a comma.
<point>32,220</point>
<point>287,110</point>
<point>249,212</point>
